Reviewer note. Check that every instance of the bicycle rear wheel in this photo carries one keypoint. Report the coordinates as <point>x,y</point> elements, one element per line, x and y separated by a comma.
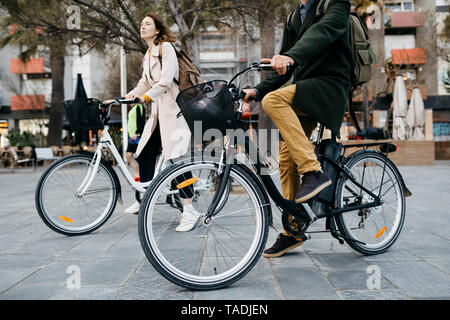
<point>378,227</point>
<point>212,255</point>
<point>58,204</point>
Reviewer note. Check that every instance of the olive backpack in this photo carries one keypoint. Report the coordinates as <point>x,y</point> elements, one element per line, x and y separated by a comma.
<point>189,73</point>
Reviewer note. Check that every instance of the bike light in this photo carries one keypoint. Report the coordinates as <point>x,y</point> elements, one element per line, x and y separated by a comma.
<point>388,148</point>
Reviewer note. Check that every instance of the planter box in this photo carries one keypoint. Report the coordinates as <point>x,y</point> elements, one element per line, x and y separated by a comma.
<point>442,150</point>
<point>409,153</point>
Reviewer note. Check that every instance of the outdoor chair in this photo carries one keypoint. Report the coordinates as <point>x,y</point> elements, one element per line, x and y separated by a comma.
<point>17,161</point>
<point>57,151</point>
<point>67,150</point>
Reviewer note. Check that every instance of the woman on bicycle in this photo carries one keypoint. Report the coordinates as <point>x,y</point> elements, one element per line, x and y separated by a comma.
<point>164,128</point>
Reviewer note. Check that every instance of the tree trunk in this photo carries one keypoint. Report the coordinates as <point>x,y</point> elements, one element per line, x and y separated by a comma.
<point>56,114</point>
<point>267,38</point>
<point>187,37</point>
<point>189,47</point>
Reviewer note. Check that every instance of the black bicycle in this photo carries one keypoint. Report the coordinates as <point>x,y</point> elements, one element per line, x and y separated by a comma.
<point>365,205</point>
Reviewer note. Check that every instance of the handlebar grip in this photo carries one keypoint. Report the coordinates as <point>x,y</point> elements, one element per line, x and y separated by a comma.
<point>243,94</point>
<point>127,101</point>
<point>266,66</point>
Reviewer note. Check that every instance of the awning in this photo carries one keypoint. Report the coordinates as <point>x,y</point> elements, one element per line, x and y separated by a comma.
<point>407,19</point>
<point>408,56</point>
<point>28,102</point>
<point>34,65</point>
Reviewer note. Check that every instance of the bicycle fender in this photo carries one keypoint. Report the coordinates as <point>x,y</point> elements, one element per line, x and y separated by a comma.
<point>261,186</point>
<point>406,191</point>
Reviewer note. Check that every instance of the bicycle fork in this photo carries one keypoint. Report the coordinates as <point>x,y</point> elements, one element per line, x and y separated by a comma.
<point>92,171</point>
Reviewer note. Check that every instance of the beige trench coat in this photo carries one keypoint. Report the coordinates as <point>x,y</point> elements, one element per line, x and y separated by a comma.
<point>157,83</point>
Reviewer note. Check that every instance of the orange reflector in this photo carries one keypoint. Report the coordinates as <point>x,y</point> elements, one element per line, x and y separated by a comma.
<point>188,182</point>
<point>66,219</point>
<point>380,232</point>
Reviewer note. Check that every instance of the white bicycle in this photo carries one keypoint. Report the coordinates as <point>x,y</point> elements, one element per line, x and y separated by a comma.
<point>77,194</point>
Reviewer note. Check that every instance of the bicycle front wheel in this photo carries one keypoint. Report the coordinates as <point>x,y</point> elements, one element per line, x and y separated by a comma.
<point>60,206</point>
<point>213,254</point>
<point>378,227</point>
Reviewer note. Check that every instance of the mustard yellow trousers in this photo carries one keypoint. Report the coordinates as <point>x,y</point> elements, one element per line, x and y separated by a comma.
<point>296,151</point>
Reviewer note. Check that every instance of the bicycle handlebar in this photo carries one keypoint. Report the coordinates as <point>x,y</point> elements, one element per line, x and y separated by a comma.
<point>123,100</point>
<point>256,66</point>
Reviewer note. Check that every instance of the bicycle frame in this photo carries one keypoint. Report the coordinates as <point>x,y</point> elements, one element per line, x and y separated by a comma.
<point>107,143</point>
<point>289,206</point>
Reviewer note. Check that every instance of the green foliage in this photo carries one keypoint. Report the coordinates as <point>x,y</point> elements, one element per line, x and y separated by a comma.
<point>26,138</point>
<point>447,81</point>
<point>116,135</point>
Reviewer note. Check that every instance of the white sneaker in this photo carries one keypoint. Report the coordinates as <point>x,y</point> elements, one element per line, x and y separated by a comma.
<point>188,218</point>
<point>134,208</point>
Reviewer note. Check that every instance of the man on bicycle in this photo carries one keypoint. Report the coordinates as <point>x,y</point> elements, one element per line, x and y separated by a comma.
<point>316,51</point>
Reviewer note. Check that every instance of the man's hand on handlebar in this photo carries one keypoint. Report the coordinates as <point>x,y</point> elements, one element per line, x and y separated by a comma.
<point>279,63</point>
<point>250,94</point>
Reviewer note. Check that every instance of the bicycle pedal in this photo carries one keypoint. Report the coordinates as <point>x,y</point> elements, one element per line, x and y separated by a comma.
<point>303,237</point>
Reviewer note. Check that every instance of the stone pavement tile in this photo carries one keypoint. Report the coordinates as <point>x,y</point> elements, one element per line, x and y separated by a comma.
<point>128,246</point>
<point>418,280</point>
<point>295,257</point>
<point>148,284</point>
<point>108,272</point>
<point>324,246</point>
<point>441,263</point>
<point>261,271</point>
<point>25,260</point>
<point>426,245</point>
<point>11,248</point>
<point>395,253</point>
<point>91,293</point>
<point>23,234</point>
<point>353,279</point>
<point>52,244</point>
<point>304,282</point>
<point>243,290</point>
<point>388,294</point>
<point>95,246</point>
<point>120,222</point>
<point>10,277</point>
<point>43,284</point>
<point>339,261</point>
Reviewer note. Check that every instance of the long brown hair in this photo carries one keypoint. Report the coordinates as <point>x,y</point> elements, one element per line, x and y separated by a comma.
<point>164,32</point>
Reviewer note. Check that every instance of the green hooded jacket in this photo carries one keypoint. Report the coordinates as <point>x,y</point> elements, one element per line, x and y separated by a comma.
<point>321,50</point>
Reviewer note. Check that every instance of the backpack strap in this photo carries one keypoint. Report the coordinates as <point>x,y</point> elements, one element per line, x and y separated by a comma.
<point>322,7</point>
<point>289,19</point>
<point>160,59</point>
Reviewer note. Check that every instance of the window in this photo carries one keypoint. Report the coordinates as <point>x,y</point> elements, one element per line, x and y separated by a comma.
<point>396,6</point>
<point>217,42</point>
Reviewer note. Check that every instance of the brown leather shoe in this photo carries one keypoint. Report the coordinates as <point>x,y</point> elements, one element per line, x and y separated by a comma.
<point>312,183</point>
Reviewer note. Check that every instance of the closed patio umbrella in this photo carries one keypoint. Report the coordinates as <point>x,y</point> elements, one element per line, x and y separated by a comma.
<point>400,102</point>
<point>80,93</point>
<point>415,118</point>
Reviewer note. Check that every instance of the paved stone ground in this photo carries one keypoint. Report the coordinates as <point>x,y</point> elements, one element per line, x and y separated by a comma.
<point>35,261</point>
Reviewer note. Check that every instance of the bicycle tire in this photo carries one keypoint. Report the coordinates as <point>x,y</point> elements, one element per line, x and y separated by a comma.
<point>165,268</point>
<point>371,159</point>
<point>50,221</point>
